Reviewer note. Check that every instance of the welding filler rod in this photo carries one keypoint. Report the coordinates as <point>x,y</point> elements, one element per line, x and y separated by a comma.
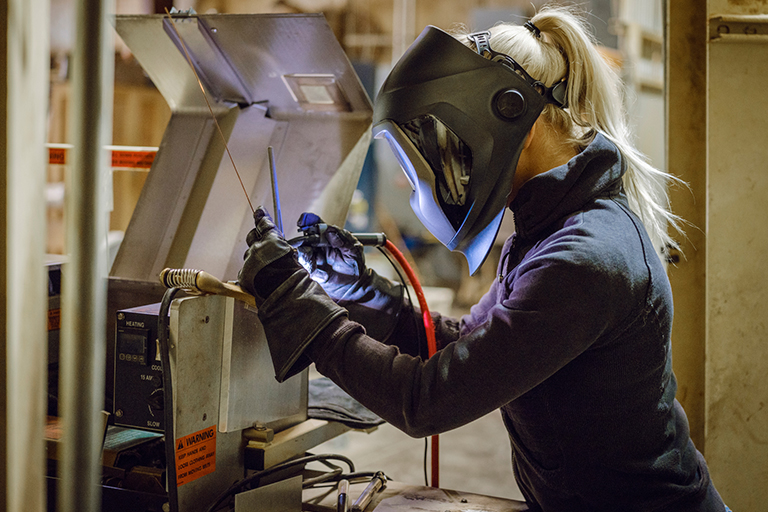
<point>378,483</point>
<point>200,281</point>
<point>275,190</point>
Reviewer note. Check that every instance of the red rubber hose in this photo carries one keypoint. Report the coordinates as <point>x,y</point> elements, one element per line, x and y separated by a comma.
<point>429,327</point>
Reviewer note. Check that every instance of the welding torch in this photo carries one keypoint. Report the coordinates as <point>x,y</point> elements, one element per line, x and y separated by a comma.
<point>314,235</point>
<point>199,281</point>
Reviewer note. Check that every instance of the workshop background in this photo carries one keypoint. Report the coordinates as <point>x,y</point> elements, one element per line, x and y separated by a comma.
<point>694,73</point>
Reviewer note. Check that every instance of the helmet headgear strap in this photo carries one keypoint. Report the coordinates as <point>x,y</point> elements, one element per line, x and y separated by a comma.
<point>482,41</point>
<point>555,94</point>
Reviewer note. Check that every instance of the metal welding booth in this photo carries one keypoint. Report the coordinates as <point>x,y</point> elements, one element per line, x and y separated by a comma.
<point>270,81</point>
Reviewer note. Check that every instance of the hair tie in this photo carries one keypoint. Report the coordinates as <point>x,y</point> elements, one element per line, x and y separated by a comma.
<point>533,28</point>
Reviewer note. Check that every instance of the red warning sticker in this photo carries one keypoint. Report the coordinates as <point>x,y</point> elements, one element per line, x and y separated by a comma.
<point>133,159</point>
<point>54,319</point>
<point>121,158</point>
<point>195,455</point>
<point>57,156</point>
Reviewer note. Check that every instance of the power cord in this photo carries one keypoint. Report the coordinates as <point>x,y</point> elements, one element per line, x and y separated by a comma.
<point>407,291</point>
<point>417,323</point>
<point>256,477</point>
<point>165,361</point>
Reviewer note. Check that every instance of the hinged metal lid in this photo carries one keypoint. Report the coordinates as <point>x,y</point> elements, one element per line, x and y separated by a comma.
<point>271,80</point>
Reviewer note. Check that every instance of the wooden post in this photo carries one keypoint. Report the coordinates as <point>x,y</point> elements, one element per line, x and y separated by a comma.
<point>686,158</point>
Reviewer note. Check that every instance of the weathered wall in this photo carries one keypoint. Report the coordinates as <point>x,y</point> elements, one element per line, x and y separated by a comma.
<point>717,144</point>
<point>737,258</point>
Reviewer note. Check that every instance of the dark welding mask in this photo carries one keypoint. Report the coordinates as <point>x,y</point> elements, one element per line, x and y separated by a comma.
<point>456,120</point>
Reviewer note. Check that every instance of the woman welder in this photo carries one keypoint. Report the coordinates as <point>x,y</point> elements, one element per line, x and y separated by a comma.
<point>572,342</point>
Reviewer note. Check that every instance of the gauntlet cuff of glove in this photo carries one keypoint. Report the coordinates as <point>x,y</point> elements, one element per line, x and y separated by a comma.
<point>293,316</point>
<point>374,302</point>
<point>265,266</point>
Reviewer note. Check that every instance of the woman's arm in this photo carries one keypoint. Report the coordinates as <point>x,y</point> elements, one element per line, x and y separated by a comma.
<point>558,308</point>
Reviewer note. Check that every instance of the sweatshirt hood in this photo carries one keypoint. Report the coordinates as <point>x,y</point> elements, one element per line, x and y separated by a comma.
<point>552,195</point>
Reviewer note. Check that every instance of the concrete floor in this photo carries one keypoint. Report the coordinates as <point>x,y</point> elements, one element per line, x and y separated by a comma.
<point>474,458</point>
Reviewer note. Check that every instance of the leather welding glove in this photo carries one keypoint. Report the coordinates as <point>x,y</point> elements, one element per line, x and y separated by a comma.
<point>337,262</point>
<point>292,307</point>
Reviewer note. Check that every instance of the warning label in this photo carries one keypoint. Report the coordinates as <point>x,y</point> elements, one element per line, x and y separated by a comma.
<point>133,159</point>
<point>54,319</point>
<point>121,158</point>
<point>57,156</point>
<point>195,455</point>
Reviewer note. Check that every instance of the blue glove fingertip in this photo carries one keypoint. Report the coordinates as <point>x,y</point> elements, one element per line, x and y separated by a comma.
<point>307,219</point>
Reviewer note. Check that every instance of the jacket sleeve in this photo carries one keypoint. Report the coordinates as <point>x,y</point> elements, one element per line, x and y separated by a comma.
<point>561,302</point>
<point>479,312</point>
<point>409,335</point>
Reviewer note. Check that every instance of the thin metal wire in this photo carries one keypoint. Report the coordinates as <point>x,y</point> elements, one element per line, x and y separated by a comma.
<point>205,96</point>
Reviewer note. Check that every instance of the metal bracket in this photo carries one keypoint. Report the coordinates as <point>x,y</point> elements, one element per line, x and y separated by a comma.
<point>183,12</point>
<point>291,442</point>
<point>735,28</point>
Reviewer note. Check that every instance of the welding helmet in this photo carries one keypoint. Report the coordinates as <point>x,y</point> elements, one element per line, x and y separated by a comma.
<point>456,120</point>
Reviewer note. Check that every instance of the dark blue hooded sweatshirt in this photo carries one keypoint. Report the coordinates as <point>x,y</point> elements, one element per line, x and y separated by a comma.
<point>571,342</point>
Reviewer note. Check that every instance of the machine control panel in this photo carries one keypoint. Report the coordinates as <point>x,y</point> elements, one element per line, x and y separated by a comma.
<point>138,390</point>
<point>132,346</point>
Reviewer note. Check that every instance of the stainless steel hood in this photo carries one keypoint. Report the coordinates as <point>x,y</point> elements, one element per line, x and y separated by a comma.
<point>272,80</point>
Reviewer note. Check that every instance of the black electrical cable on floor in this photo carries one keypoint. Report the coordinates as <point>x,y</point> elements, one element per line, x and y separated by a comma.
<point>165,361</point>
<point>331,476</point>
<point>334,475</point>
<point>333,481</point>
<point>418,329</point>
<point>237,486</point>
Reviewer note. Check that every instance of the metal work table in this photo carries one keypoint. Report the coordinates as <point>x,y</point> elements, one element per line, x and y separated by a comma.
<point>401,497</point>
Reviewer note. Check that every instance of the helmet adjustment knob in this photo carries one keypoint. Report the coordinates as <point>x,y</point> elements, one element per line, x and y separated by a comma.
<point>510,104</point>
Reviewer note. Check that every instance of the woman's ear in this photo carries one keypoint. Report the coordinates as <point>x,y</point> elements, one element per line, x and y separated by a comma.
<point>529,137</point>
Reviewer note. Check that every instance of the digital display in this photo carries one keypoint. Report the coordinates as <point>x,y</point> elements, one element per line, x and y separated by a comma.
<point>133,343</point>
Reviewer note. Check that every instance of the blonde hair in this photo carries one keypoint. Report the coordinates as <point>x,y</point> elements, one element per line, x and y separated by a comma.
<point>566,49</point>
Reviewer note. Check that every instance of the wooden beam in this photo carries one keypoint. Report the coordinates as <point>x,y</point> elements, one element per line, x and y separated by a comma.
<point>686,49</point>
